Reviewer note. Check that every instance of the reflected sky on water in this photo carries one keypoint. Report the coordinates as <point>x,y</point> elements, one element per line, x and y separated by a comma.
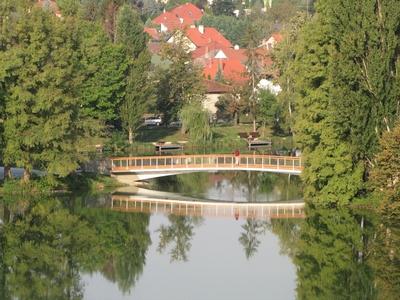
<point>83,247</point>
<point>216,267</point>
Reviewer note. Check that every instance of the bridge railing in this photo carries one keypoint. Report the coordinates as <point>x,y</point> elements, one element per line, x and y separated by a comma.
<point>210,209</point>
<point>208,161</point>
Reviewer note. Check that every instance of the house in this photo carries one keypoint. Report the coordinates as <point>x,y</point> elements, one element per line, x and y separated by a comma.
<point>271,42</point>
<point>213,91</point>
<point>216,55</point>
<point>180,17</point>
<point>50,5</point>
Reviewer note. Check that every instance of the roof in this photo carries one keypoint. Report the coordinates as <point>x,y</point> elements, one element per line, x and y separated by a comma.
<point>189,12</point>
<point>232,70</point>
<point>152,32</point>
<point>154,47</point>
<point>51,5</point>
<point>277,37</point>
<point>215,36</point>
<point>169,20</point>
<point>214,87</point>
<point>196,37</point>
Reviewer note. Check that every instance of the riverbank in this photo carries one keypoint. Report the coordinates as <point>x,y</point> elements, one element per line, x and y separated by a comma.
<point>225,139</point>
<point>88,182</point>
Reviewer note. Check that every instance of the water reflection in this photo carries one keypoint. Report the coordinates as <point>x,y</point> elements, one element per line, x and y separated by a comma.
<point>49,248</point>
<point>178,235</point>
<point>249,239</point>
<point>45,249</point>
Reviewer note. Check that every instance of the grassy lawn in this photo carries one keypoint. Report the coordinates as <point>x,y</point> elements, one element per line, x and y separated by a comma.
<point>226,138</point>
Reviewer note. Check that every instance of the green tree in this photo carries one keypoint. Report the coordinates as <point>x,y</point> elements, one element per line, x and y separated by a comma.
<point>44,126</point>
<point>196,122</point>
<point>104,67</point>
<point>231,105</point>
<point>222,7</point>
<point>284,55</point>
<point>268,111</point>
<point>139,89</point>
<point>68,7</point>
<point>129,31</point>
<point>139,94</point>
<point>178,85</point>
<point>231,27</point>
<point>254,71</point>
<point>385,175</point>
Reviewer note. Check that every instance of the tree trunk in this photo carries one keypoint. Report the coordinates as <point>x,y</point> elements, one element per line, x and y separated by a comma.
<point>235,118</point>
<point>130,136</point>
<point>27,176</point>
<point>7,173</point>
<point>254,124</point>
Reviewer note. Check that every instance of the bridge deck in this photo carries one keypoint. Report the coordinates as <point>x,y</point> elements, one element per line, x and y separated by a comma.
<point>209,209</point>
<point>206,162</point>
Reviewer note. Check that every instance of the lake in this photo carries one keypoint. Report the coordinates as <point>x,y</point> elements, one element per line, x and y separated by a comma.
<point>228,235</point>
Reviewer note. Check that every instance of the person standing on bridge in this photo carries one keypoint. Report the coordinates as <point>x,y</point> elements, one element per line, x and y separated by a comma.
<point>237,156</point>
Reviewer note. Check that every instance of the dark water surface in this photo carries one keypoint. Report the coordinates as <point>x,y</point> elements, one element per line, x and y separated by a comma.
<point>106,246</point>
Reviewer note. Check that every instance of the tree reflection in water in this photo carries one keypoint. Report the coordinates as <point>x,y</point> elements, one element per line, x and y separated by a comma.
<point>249,239</point>
<point>45,249</point>
<point>178,235</point>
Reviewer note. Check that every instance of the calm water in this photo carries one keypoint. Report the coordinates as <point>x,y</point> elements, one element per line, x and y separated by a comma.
<point>102,247</point>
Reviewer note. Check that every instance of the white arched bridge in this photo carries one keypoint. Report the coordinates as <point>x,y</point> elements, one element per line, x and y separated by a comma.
<point>137,203</point>
<point>131,169</point>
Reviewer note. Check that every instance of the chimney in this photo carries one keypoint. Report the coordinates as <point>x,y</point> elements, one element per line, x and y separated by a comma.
<point>236,47</point>
<point>201,29</point>
<point>181,20</point>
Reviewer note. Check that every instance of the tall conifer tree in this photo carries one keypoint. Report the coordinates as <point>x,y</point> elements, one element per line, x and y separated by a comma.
<point>44,127</point>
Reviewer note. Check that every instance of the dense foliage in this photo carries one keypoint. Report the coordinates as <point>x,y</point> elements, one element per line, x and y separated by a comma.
<point>341,73</point>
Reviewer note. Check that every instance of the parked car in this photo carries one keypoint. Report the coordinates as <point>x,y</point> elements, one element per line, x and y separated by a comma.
<point>175,124</point>
<point>153,121</point>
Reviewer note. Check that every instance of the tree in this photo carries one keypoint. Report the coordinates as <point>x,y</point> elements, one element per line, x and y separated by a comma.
<point>44,126</point>
<point>385,175</point>
<point>269,109</point>
<point>196,121</point>
<point>222,7</point>
<point>139,89</point>
<point>283,56</point>
<point>231,105</point>
<point>139,95</point>
<point>254,71</point>
<point>178,85</point>
<point>68,7</point>
<point>104,67</point>
<point>346,94</point>
<point>231,27</point>
<point>129,32</point>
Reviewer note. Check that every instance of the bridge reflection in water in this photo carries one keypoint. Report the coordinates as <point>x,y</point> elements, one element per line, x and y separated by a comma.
<point>136,203</point>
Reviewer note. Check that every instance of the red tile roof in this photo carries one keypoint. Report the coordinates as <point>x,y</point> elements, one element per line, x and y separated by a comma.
<point>213,87</point>
<point>152,32</point>
<point>51,4</point>
<point>189,12</point>
<point>215,36</point>
<point>169,20</point>
<point>277,37</point>
<point>196,37</point>
<point>232,70</point>
<point>154,47</point>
